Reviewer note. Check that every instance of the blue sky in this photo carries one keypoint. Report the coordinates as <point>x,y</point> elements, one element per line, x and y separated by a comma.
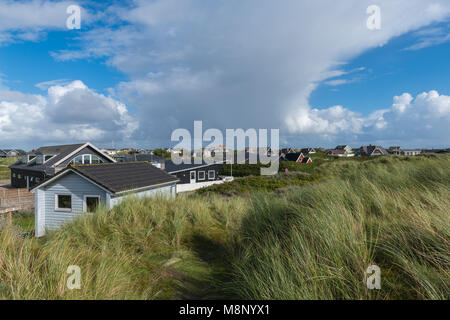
<point>137,70</point>
<point>25,64</point>
<point>389,70</point>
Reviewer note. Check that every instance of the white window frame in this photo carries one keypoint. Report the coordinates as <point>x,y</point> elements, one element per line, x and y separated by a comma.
<point>213,174</point>
<point>192,173</point>
<point>204,176</point>
<point>47,155</point>
<point>90,158</point>
<point>90,196</point>
<point>63,209</point>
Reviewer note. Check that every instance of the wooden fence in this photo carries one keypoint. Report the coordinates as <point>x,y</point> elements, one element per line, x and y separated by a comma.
<point>16,197</point>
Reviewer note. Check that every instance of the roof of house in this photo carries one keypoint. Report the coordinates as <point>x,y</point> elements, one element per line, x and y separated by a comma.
<point>341,147</point>
<point>306,159</point>
<point>59,152</point>
<point>119,177</point>
<point>292,156</point>
<point>306,150</point>
<point>370,149</point>
<point>142,157</point>
<point>287,150</point>
<point>335,151</point>
<point>171,167</point>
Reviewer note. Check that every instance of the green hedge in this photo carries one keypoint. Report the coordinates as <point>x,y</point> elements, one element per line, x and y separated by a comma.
<point>246,185</point>
<point>245,170</point>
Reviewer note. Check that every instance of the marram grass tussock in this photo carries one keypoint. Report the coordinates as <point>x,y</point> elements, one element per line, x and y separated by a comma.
<point>309,241</point>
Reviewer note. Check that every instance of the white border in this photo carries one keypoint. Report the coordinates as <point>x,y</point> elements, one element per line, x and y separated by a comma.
<point>190,176</point>
<point>63,209</point>
<point>90,196</point>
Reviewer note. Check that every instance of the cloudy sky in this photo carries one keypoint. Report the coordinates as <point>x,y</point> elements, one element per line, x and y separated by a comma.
<point>137,70</point>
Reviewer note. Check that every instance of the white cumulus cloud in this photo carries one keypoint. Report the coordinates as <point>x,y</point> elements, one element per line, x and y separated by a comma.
<point>70,112</point>
<point>413,122</point>
<point>249,64</point>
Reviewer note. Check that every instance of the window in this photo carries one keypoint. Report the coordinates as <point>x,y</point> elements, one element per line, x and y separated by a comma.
<point>31,157</point>
<point>86,159</point>
<point>96,159</point>
<point>91,203</point>
<point>47,157</point>
<point>19,176</point>
<point>211,174</point>
<point>14,175</point>
<point>63,202</point>
<point>201,175</point>
<point>77,160</point>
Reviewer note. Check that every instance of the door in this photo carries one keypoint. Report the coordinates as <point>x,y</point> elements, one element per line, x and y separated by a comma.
<point>193,176</point>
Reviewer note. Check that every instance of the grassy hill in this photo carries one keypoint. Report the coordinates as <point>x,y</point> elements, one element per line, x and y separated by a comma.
<point>312,237</point>
<point>5,172</point>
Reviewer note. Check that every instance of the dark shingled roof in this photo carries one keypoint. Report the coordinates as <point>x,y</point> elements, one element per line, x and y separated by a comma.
<point>60,152</point>
<point>141,157</point>
<point>125,176</point>
<point>169,166</point>
<point>292,156</point>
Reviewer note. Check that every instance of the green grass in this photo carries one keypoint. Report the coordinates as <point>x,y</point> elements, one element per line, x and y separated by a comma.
<point>7,161</point>
<point>24,220</point>
<point>249,185</point>
<point>319,158</point>
<point>309,240</point>
<point>5,172</point>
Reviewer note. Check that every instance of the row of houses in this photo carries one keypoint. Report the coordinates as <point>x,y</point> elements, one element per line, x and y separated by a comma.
<point>42,163</point>
<point>348,151</point>
<point>371,150</point>
<point>10,153</point>
<point>69,180</point>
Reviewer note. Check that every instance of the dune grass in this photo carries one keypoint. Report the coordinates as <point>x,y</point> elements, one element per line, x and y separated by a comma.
<point>308,241</point>
<point>7,161</point>
<point>5,173</point>
<point>318,240</point>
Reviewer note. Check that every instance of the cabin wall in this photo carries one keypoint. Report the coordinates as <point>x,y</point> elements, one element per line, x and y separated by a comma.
<point>19,178</point>
<point>185,175</point>
<point>39,213</point>
<point>48,217</point>
<point>169,191</point>
<point>71,184</point>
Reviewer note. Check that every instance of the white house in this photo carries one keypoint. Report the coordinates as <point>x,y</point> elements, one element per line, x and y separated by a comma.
<point>81,188</point>
<point>109,151</point>
<point>346,148</point>
<point>410,152</point>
